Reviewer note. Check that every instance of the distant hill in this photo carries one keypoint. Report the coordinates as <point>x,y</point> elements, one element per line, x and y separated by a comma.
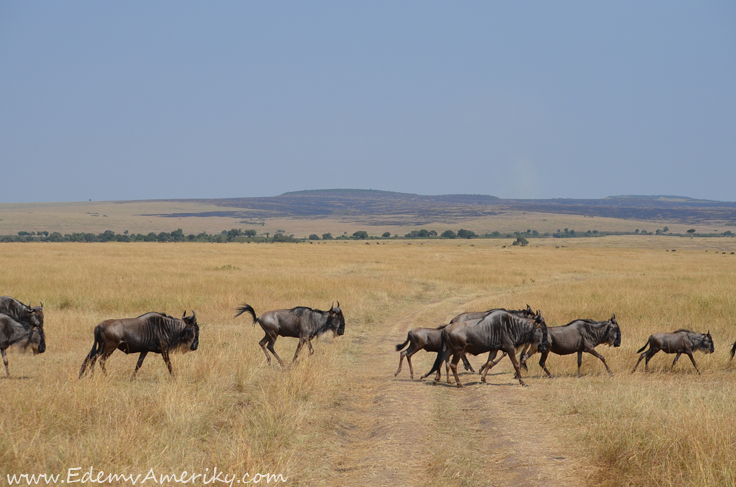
<point>407,208</point>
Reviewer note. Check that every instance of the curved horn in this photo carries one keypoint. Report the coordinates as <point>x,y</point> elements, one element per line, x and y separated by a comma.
<point>332,306</point>
<point>338,303</point>
<point>194,315</point>
<point>184,315</point>
<point>613,317</point>
<point>41,304</point>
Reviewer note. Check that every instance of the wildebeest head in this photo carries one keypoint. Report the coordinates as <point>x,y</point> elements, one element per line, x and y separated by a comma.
<point>36,340</point>
<point>540,324</point>
<point>35,314</point>
<point>707,344</point>
<point>191,332</point>
<point>336,319</point>
<point>612,334</point>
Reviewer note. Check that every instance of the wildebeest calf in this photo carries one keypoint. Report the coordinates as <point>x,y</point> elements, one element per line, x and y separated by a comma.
<point>14,332</point>
<point>150,332</point>
<point>679,342</point>
<point>429,339</point>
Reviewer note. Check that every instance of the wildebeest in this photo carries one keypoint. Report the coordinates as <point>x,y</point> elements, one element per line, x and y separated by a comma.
<point>21,312</point>
<point>679,342</point>
<point>733,350</point>
<point>430,339</point>
<point>26,335</point>
<point>579,336</point>
<point>150,332</point>
<point>499,330</point>
<point>300,322</point>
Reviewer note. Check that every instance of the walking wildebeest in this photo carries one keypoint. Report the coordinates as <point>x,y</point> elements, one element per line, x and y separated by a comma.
<point>14,332</point>
<point>579,336</point>
<point>21,312</point>
<point>150,332</point>
<point>300,322</point>
<point>679,342</point>
<point>499,330</point>
<point>430,339</point>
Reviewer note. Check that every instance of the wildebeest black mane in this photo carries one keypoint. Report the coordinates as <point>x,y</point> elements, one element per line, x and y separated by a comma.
<point>682,330</point>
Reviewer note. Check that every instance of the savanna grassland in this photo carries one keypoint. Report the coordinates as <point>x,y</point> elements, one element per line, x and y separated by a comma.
<point>340,417</point>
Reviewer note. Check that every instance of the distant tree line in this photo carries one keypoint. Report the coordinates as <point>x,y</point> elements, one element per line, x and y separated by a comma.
<point>238,235</point>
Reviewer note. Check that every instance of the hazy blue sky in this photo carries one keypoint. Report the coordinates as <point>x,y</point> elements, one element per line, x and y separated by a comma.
<point>134,100</point>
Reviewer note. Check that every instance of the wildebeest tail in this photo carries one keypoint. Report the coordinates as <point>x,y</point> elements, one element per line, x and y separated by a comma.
<point>402,345</point>
<point>733,350</point>
<point>246,308</point>
<point>96,349</point>
<point>440,355</point>
<point>646,345</point>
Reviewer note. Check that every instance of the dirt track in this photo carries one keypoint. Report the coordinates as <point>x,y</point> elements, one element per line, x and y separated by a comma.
<point>395,431</point>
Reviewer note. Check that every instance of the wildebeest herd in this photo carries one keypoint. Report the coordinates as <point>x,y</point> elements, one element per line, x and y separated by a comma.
<point>496,330</point>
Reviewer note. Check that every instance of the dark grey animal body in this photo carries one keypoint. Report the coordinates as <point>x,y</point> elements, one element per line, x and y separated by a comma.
<point>679,342</point>
<point>429,339</point>
<point>300,322</point>
<point>499,330</point>
<point>25,335</point>
<point>21,312</point>
<point>579,336</point>
<point>150,332</point>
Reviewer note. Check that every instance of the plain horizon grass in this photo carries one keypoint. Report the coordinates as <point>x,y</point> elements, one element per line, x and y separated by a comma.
<point>226,407</point>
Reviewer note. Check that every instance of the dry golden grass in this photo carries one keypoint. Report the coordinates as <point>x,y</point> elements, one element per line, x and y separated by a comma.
<point>226,407</point>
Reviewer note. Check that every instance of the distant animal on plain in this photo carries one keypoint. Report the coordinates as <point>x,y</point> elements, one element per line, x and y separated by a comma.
<point>25,335</point>
<point>579,336</point>
<point>149,332</point>
<point>679,342</point>
<point>21,312</point>
<point>300,322</point>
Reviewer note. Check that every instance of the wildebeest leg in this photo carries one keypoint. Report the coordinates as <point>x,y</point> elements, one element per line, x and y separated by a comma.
<point>677,357</point>
<point>692,359</point>
<point>637,362</point>
<point>165,355</point>
<point>648,358</point>
<point>543,362</point>
<point>271,349</point>
<point>580,362</point>
<point>453,366</point>
<point>105,356</point>
<point>512,356</point>
<point>490,364</point>
<point>265,340</point>
<point>5,361</point>
<point>467,365</point>
<point>302,341</point>
<point>138,365</point>
<point>309,342</point>
<point>598,355</point>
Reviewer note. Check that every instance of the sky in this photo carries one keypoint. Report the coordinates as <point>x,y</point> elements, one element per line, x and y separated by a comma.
<point>158,100</point>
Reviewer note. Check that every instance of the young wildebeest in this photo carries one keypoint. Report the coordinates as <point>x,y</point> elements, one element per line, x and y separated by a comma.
<point>579,336</point>
<point>14,332</point>
<point>430,339</point>
<point>679,342</point>
<point>21,312</point>
<point>150,332</point>
<point>300,322</point>
<point>499,330</point>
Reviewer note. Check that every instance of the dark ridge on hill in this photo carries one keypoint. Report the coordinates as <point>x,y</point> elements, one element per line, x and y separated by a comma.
<point>407,208</point>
